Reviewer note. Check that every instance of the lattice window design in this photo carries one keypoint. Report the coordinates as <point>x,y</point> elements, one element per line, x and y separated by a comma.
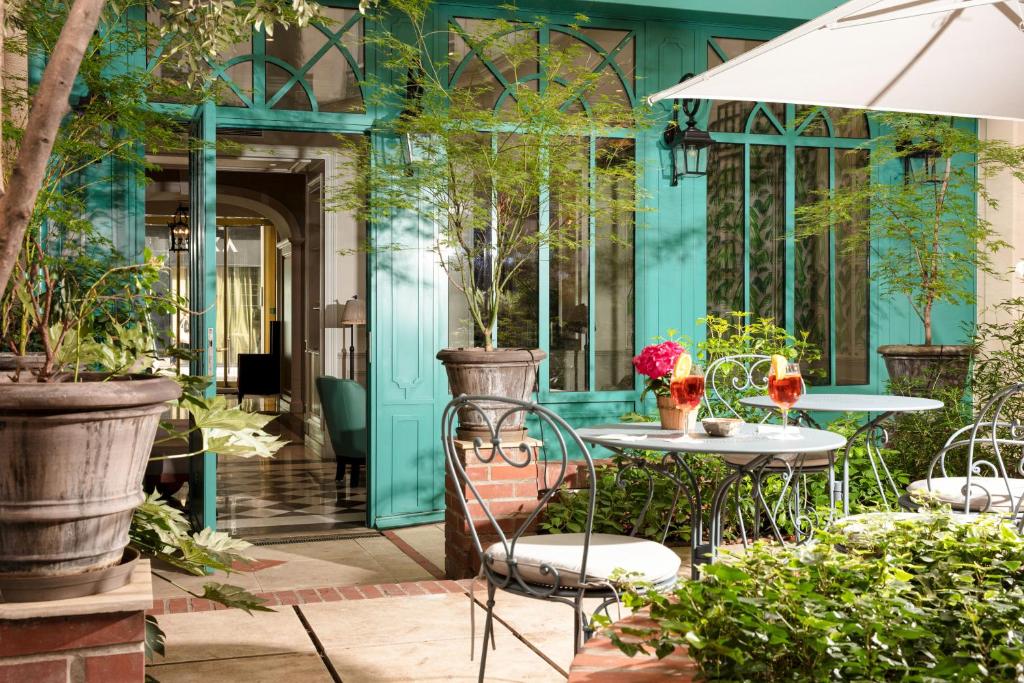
<point>769,159</point>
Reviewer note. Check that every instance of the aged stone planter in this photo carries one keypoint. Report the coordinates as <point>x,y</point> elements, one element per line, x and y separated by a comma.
<point>72,455</point>
<point>927,367</point>
<point>509,373</point>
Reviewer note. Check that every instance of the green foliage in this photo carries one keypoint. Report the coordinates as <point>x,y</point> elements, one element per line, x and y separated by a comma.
<point>162,531</point>
<point>742,333</point>
<point>927,599</point>
<point>1000,354</point>
<point>928,238</point>
<point>481,173</point>
<point>915,438</point>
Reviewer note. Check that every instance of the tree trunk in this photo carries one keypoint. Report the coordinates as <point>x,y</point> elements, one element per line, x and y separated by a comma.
<point>927,319</point>
<point>48,109</point>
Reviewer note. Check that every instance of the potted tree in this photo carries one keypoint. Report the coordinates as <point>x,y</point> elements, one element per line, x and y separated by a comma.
<point>79,401</point>
<point>480,164</point>
<point>926,236</point>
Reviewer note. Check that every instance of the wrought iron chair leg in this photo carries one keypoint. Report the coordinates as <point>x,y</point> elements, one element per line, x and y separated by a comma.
<point>488,630</point>
<point>579,627</point>
<point>739,518</point>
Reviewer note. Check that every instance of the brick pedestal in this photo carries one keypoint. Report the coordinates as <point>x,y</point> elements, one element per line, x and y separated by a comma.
<point>511,493</point>
<point>601,662</point>
<point>95,639</point>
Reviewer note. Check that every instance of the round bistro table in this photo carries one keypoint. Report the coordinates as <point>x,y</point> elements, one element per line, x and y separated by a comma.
<point>753,440</point>
<point>882,405</point>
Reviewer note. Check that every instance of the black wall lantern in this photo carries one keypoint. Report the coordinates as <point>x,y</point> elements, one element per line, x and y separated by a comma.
<point>179,229</point>
<point>921,162</point>
<point>688,147</point>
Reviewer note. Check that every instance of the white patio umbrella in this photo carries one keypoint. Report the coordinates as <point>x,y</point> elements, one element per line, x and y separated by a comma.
<point>947,57</point>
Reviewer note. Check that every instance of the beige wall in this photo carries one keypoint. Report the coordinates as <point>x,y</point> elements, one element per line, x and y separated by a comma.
<point>1008,221</point>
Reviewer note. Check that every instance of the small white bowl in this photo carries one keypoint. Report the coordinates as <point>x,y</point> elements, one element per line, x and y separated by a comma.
<point>721,426</point>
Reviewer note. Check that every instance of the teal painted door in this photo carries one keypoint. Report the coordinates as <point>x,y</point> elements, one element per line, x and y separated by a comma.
<point>202,296</point>
<point>408,387</point>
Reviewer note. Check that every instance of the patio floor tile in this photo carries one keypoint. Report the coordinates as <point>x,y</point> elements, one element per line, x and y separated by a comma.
<point>422,638</point>
<point>232,634</point>
<point>264,669</point>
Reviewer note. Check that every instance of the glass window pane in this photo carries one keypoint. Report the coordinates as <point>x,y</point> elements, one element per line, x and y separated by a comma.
<point>725,244</point>
<point>812,278</point>
<point>334,83</point>
<point>479,73</point>
<point>519,319</point>
<point>763,125</point>
<point>852,329</point>
<point>569,277</point>
<point>813,122</point>
<point>614,288</point>
<point>767,232</point>
<point>734,47</point>
<point>849,123</point>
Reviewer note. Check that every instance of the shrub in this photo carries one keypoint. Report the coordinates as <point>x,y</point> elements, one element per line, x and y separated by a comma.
<point>923,599</point>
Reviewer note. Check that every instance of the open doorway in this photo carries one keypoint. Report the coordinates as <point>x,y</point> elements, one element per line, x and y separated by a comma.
<point>285,270</point>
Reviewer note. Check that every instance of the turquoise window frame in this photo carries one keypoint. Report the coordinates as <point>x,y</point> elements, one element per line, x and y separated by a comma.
<point>633,38</point>
<point>790,138</point>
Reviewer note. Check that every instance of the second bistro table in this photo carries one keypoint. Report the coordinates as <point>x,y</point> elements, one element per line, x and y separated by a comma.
<point>752,440</point>
<point>883,405</point>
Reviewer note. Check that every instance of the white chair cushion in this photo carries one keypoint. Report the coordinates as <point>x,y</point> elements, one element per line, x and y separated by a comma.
<point>983,489</point>
<point>795,460</point>
<point>644,560</point>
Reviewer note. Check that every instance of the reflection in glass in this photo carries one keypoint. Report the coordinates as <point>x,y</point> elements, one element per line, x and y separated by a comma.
<point>614,281</point>
<point>239,283</point>
<point>725,243</point>
<point>767,232</point>
<point>479,73</point>
<point>812,289</point>
<point>851,281</point>
<point>335,85</point>
<point>569,281</point>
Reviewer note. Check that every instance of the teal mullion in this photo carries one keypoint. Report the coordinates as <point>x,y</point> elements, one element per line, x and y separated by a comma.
<point>259,69</point>
<point>832,277</point>
<point>746,227</point>
<point>790,229</point>
<point>592,272</point>
<point>765,139</point>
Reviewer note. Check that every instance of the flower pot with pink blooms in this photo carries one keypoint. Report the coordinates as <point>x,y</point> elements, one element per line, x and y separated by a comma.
<point>658,362</point>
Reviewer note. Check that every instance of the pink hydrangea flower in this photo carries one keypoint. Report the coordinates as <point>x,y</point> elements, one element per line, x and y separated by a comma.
<point>657,360</point>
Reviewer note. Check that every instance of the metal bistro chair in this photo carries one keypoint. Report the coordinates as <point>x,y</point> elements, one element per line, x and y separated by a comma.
<point>727,380</point>
<point>557,567</point>
<point>994,444</point>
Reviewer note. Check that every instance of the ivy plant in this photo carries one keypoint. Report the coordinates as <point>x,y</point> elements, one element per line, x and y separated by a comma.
<point>926,599</point>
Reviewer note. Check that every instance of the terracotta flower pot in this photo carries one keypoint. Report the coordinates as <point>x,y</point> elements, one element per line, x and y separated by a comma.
<point>672,416</point>
<point>72,456</point>
<point>509,373</point>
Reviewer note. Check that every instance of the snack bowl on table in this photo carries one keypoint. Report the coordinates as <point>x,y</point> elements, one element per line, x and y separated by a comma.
<point>721,426</point>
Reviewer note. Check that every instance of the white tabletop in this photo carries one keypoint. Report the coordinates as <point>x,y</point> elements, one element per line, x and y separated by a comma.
<point>852,403</point>
<point>751,440</point>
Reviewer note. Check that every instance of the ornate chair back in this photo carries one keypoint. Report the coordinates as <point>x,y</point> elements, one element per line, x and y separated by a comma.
<point>992,464</point>
<point>559,441</point>
<point>730,378</point>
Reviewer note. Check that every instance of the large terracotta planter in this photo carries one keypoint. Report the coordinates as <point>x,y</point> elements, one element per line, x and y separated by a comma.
<point>922,369</point>
<point>72,456</point>
<point>509,373</point>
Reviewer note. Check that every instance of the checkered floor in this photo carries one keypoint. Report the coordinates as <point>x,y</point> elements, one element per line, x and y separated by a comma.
<point>293,493</point>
